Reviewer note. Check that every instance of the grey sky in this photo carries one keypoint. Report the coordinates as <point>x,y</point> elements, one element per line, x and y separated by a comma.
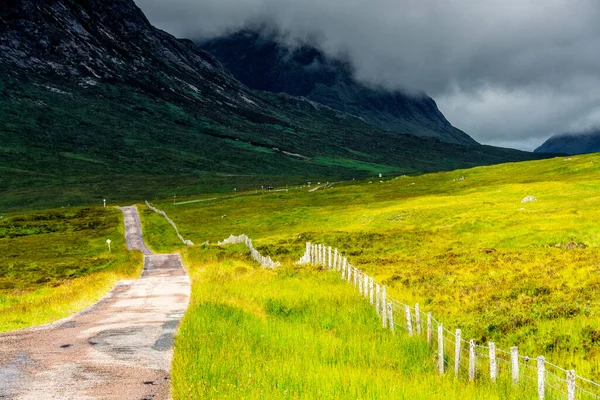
<point>508,72</point>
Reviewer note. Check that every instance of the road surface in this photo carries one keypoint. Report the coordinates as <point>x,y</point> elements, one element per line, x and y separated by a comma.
<point>120,348</point>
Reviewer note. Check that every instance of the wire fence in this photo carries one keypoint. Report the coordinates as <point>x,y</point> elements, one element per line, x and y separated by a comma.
<point>454,353</point>
<point>265,262</point>
<point>170,221</point>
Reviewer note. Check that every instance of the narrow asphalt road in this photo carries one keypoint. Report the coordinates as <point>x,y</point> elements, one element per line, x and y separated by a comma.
<point>120,348</point>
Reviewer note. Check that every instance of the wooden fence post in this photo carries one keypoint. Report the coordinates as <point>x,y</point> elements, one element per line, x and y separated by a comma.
<point>408,321</point>
<point>493,366</point>
<point>429,328</point>
<point>441,349</point>
<point>571,384</point>
<point>355,272</point>
<point>418,319</point>
<point>335,259</point>
<point>330,263</point>
<point>384,307</point>
<point>323,255</point>
<point>371,290</point>
<point>378,298</point>
<point>541,367</point>
<point>318,254</point>
<point>471,360</point>
<point>350,271</point>
<point>366,285</point>
<point>457,350</point>
<point>514,356</point>
<point>343,268</point>
<point>390,316</point>
<point>360,282</point>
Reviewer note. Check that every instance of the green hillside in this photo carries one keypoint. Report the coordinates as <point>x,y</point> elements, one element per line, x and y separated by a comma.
<point>64,145</point>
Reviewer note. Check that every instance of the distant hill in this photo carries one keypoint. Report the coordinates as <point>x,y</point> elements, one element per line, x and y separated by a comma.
<point>97,103</point>
<point>572,143</point>
<point>259,61</point>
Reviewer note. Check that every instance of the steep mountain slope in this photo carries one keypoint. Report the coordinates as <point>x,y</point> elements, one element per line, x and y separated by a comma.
<point>572,143</point>
<point>97,103</point>
<point>258,60</point>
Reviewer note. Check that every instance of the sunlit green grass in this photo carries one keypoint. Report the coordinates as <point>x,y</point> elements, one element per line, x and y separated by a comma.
<point>54,263</point>
<point>466,249</point>
<point>298,332</point>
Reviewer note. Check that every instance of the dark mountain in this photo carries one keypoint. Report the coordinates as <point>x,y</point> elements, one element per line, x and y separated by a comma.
<point>97,103</point>
<point>572,143</point>
<point>259,61</point>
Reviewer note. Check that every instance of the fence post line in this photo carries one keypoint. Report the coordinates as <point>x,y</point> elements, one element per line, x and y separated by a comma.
<point>441,349</point>
<point>355,276</point>
<point>330,264</point>
<point>514,355</point>
<point>350,270</point>
<point>429,328</point>
<point>408,321</point>
<point>371,290</point>
<point>418,319</point>
<point>378,298</point>
<point>343,262</point>
<point>366,285</point>
<point>541,367</point>
<point>493,367</point>
<point>340,261</point>
<point>390,316</point>
<point>571,384</point>
<point>323,255</point>
<point>384,307</point>
<point>335,259</point>
<point>457,350</point>
<point>471,360</point>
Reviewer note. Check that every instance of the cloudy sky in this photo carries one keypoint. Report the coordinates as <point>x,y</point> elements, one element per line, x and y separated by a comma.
<point>508,72</point>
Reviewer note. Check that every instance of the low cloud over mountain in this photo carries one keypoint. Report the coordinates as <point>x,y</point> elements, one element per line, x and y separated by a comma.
<point>507,72</point>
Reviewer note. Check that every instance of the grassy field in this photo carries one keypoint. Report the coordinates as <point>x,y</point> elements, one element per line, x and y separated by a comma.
<point>459,243</point>
<point>298,332</point>
<point>54,263</point>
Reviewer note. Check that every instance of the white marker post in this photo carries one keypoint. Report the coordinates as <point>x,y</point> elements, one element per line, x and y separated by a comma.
<point>104,203</point>
<point>108,242</point>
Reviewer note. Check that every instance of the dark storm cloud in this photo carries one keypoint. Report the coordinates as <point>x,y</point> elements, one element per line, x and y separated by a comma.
<point>508,72</point>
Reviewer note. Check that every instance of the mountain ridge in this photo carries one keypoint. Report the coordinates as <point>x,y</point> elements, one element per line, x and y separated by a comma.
<point>259,60</point>
<point>572,143</point>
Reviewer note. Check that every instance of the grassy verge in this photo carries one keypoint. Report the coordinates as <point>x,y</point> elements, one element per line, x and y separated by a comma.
<point>55,263</point>
<point>461,244</point>
<point>297,332</point>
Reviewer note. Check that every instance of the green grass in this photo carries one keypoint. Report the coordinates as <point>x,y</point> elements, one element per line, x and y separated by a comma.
<point>298,332</point>
<point>56,262</point>
<point>124,143</point>
<point>466,250</point>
